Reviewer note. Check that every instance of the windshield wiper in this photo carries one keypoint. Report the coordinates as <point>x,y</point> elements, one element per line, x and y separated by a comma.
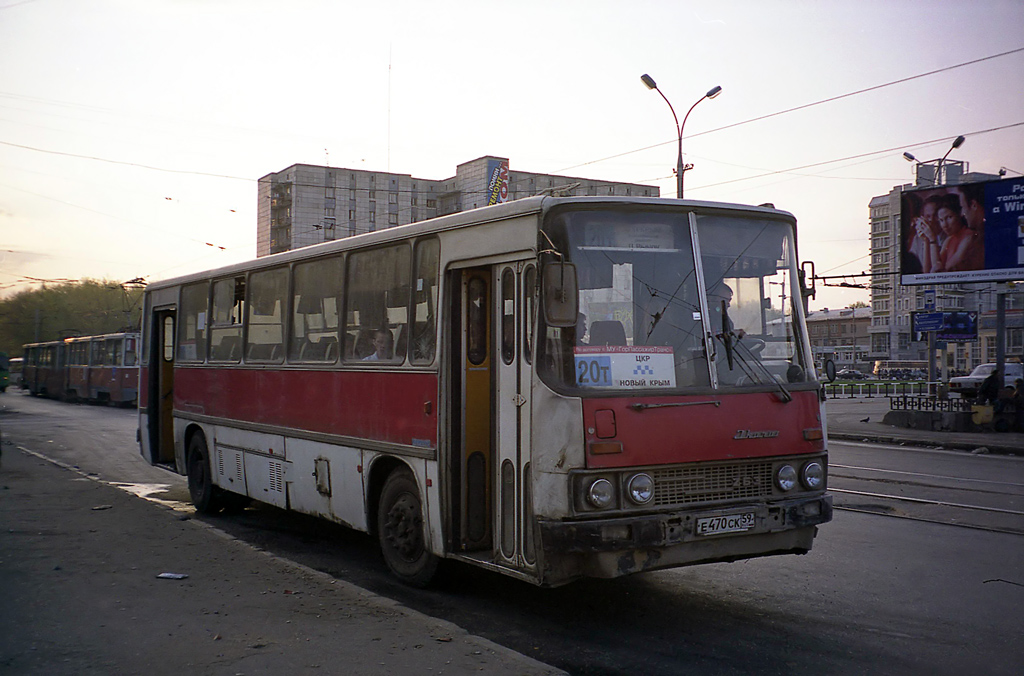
<point>750,363</point>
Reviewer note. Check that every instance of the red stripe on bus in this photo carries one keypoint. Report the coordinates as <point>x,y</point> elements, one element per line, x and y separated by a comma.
<point>741,426</point>
<point>379,406</point>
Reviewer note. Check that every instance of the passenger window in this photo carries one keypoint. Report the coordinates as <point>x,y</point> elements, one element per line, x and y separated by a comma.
<point>267,290</point>
<point>226,328</point>
<point>192,323</point>
<point>424,330</point>
<point>377,304</point>
<point>316,303</point>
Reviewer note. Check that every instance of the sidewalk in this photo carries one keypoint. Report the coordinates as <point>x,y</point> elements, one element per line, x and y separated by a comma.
<point>846,421</point>
<point>79,561</point>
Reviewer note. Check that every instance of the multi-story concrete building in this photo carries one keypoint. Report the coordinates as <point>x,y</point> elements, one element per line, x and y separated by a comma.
<point>308,204</point>
<point>892,335</point>
<point>842,336</point>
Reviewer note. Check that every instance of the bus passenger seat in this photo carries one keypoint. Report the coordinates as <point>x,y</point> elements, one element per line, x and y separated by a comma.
<point>607,333</point>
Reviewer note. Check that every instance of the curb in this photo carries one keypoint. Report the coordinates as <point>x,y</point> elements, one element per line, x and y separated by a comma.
<point>873,437</point>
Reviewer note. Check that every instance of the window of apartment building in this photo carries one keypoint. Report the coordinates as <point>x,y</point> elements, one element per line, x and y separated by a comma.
<point>329,192</point>
<point>373,216</point>
<point>392,198</point>
<point>373,207</point>
<point>352,194</point>
<point>351,214</point>
<point>1015,340</point>
<point>329,212</point>
<point>373,194</point>
<point>392,219</point>
<point>431,204</point>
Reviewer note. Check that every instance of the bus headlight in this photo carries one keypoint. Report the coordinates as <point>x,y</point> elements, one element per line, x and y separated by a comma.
<point>785,478</point>
<point>601,493</point>
<point>640,489</point>
<point>812,475</point>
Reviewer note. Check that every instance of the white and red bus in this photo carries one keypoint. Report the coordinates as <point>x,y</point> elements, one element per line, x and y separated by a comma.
<point>552,388</point>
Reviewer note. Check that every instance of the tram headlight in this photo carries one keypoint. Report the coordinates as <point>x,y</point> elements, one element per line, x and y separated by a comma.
<point>601,493</point>
<point>812,475</point>
<point>785,478</point>
<point>640,489</point>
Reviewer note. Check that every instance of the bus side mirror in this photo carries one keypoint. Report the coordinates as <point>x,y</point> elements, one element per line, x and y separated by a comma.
<point>830,370</point>
<point>561,294</point>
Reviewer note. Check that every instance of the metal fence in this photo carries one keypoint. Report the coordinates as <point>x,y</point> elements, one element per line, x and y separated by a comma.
<point>910,403</point>
<point>870,390</point>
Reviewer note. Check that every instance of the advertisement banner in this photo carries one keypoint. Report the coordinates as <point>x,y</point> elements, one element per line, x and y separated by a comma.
<point>952,327</point>
<point>497,181</point>
<point>969,232</point>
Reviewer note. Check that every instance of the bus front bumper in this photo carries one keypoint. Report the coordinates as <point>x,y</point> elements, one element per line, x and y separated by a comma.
<point>623,545</point>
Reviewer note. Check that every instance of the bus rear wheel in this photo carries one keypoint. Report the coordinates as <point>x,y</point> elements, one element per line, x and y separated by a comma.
<point>206,497</point>
<point>400,531</point>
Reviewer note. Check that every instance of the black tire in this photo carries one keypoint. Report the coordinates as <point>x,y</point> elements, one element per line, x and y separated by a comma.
<point>400,531</point>
<point>207,498</point>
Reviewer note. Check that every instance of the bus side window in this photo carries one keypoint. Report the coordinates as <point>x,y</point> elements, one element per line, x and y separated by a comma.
<point>192,322</point>
<point>226,328</point>
<point>315,307</point>
<point>267,290</point>
<point>424,330</point>
<point>377,301</point>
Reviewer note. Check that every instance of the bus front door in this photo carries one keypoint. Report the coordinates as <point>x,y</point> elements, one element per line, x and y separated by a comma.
<point>492,502</point>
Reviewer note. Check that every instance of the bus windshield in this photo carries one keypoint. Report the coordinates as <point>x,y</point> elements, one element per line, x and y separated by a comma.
<point>649,320</point>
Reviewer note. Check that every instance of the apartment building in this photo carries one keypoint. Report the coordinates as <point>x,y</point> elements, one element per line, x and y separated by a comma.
<point>308,204</point>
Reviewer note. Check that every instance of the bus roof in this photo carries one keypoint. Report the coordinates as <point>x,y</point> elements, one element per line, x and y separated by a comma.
<point>518,208</point>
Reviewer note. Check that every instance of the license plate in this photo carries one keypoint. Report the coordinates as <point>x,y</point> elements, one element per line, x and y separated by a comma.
<point>731,523</point>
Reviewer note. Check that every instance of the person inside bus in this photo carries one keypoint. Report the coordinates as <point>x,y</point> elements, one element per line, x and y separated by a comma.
<point>383,346</point>
<point>719,293</point>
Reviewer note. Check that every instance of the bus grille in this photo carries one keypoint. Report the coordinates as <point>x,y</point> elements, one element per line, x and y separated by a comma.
<point>711,483</point>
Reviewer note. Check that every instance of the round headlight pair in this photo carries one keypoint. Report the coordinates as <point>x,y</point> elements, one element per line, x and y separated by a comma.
<point>639,489</point>
<point>812,476</point>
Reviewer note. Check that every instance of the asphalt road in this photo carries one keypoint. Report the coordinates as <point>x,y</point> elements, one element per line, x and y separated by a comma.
<point>878,594</point>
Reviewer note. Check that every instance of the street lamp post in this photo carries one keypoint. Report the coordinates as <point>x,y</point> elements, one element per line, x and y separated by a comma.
<point>680,167</point>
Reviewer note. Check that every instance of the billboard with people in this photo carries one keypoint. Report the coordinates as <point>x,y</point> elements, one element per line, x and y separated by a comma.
<point>969,232</point>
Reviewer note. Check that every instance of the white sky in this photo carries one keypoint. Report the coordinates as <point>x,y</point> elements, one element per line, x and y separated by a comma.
<point>132,132</point>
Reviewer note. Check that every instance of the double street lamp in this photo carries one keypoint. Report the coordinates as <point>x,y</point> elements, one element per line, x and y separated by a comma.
<point>680,167</point>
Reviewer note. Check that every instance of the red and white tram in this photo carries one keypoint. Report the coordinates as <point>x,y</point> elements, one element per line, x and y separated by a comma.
<point>551,388</point>
<point>103,368</point>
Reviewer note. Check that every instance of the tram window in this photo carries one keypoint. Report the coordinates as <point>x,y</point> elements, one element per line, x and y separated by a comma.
<point>529,311</point>
<point>97,353</point>
<point>226,327</point>
<point>377,303</point>
<point>508,316</point>
<point>129,352</point>
<point>425,302</point>
<point>267,291</point>
<point>192,322</point>
<point>316,304</point>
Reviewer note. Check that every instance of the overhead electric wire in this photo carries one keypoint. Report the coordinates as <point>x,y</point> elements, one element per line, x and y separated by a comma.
<point>803,106</point>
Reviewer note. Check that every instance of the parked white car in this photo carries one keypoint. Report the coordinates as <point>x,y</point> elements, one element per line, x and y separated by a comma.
<point>967,386</point>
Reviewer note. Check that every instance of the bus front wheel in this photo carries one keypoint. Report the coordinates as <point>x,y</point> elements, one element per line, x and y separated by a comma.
<point>400,531</point>
<point>206,497</point>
